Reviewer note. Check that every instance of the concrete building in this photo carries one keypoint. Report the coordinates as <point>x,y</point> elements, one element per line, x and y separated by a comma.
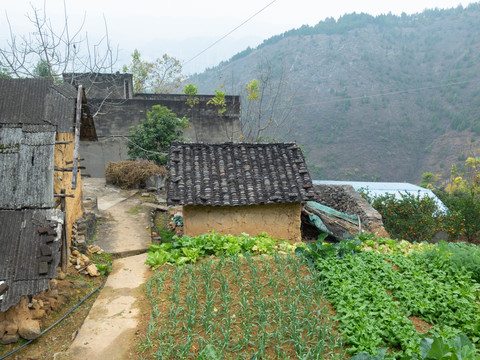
<point>116,110</point>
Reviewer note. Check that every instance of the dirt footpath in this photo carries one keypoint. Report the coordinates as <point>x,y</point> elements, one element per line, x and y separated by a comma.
<point>123,229</point>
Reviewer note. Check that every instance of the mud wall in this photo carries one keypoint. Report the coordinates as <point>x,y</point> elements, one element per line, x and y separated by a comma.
<point>63,180</point>
<point>277,220</point>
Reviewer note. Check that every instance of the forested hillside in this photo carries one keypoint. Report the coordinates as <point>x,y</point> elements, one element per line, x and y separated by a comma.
<point>373,98</point>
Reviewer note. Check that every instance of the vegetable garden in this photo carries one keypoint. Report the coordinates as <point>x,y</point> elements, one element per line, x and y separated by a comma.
<point>226,297</point>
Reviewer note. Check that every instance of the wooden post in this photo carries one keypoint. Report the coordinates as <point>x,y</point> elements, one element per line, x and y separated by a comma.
<point>76,145</point>
<point>64,243</point>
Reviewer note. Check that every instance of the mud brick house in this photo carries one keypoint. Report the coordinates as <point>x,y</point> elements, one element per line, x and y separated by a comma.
<point>235,188</point>
<point>41,124</point>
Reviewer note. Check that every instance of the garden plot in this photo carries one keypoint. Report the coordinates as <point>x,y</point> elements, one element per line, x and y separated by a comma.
<point>375,296</point>
<point>268,306</point>
<point>394,296</point>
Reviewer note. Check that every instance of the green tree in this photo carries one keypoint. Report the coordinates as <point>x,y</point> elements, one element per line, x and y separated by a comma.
<point>42,69</point>
<point>151,139</point>
<point>219,101</point>
<point>462,197</point>
<point>4,72</point>
<point>161,76</point>
<point>191,90</point>
<point>409,217</point>
<point>429,180</point>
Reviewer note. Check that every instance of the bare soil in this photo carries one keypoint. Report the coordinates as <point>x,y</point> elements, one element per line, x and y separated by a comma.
<point>421,326</point>
<point>71,291</point>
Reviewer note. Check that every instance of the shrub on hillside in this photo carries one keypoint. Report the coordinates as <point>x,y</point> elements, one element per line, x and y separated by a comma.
<point>410,217</point>
<point>130,174</point>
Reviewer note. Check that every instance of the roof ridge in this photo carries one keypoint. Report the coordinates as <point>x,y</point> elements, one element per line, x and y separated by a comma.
<point>65,90</point>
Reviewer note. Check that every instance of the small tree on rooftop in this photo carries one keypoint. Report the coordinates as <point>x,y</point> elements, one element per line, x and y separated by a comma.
<point>151,139</point>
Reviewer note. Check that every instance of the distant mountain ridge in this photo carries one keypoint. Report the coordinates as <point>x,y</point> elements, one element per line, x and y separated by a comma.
<point>381,98</point>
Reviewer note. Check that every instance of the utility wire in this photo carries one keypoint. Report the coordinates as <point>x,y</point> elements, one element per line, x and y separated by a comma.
<point>399,92</point>
<point>406,91</point>
<point>224,36</point>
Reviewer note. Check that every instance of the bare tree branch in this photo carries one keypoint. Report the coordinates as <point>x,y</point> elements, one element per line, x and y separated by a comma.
<point>264,115</point>
<point>62,49</point>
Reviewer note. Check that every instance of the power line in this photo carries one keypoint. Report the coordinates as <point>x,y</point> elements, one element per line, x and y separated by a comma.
<point>224,36</point>
<point>382,94</point>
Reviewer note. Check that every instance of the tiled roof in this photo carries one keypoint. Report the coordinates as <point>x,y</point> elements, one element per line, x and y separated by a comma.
<point>60,107</point>
<point>236,174</point>
<point>29,252</point>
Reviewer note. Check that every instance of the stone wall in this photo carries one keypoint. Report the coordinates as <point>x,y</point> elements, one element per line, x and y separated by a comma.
<point>345,199</point>
<point>25,318</point>
<point>277,220</point>
<point>84,227</point>
<point>117,117</point>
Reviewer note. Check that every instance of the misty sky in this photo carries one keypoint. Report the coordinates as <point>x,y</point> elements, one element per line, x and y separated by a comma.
<point>183,28</point>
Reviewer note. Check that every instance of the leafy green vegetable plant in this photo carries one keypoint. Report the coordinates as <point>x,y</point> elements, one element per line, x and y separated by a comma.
<point>319,249</point>
<point>459,348</point>
<point>188,249</point>
<point>376,292</point>
<point>391,246</point>
<point>364,356</point>
<point>460,255</point>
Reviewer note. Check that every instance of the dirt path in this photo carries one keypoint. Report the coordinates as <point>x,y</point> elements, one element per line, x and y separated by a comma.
<point>124,224</point>
<point>123,229</point>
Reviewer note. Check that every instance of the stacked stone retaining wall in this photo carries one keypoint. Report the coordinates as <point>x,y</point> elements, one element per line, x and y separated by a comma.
<point>345,199</point>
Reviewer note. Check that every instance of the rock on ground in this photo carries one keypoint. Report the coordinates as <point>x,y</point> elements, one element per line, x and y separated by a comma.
<point>29,329</point>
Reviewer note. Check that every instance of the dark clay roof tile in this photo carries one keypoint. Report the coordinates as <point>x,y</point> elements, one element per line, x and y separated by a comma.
<point>236,174</point>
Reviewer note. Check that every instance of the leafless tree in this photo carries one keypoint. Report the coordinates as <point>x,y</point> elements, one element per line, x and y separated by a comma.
<point>59,49</point>
<point>56,49</point>
<point>265,115</point>
<point>62,48</point>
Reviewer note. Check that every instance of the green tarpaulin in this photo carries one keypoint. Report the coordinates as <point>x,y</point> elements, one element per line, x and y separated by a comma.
<point>330,213</point>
